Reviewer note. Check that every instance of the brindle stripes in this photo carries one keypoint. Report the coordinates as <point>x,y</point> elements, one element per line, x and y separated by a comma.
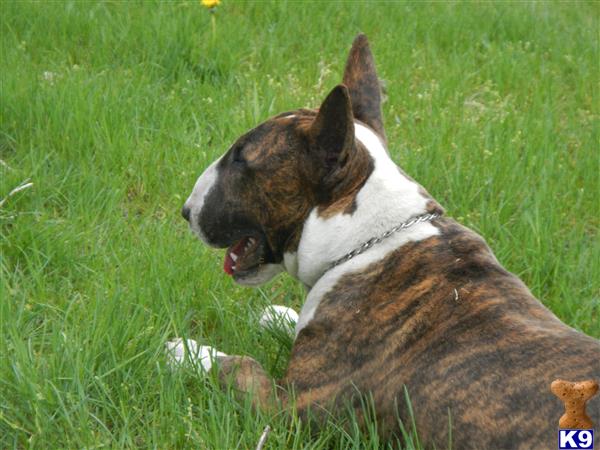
<point>487,351</point>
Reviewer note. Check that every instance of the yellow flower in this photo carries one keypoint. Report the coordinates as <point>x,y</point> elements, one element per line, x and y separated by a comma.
<point>210,3</point>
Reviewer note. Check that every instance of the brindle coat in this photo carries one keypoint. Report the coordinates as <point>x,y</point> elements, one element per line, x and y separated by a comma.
<point>439,316</point>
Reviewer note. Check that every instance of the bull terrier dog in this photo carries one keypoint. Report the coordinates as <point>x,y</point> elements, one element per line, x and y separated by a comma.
<point>400,296</point>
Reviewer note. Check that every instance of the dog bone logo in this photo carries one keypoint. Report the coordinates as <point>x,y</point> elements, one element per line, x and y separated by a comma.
<point>575,395</point>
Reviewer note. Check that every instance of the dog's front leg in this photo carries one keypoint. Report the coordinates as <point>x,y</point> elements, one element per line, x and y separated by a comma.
<point>242,373</point>
<point>247,377</point>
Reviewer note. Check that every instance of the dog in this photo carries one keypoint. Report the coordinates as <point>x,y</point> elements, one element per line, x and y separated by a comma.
<point>400,296</point>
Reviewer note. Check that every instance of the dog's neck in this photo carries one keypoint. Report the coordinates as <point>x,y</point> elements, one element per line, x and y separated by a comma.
<point>387,198</point>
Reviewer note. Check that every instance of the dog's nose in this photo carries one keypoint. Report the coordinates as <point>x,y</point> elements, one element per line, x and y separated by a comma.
<point>185,212</point>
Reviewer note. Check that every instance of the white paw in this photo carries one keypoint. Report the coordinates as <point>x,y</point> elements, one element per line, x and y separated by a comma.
<point>180,351</point>
<point>279,317</point>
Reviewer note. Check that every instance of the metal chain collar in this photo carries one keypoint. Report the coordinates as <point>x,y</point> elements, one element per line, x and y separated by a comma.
<point>376,240</point>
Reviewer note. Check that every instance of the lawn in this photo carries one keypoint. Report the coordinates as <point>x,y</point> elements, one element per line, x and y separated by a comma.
<point>113,109</point>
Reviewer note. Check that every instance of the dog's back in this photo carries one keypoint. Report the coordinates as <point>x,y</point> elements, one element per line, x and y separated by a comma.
<point>466,338</point>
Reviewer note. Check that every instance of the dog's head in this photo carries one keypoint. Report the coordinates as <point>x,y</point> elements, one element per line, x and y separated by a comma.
<point>255,199</point>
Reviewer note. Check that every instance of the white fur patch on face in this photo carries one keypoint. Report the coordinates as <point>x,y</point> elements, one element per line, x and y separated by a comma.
<point>386,199</point>
<point>181,352</point>
<point>195,201</point>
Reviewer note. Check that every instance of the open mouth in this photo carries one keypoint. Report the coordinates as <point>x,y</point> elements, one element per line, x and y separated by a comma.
<point>244,257</point>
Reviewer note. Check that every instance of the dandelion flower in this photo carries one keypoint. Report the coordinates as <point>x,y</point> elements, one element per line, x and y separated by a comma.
<point>210,3</point>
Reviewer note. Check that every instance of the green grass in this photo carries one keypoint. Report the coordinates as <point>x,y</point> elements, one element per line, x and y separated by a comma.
<point>113,109</point>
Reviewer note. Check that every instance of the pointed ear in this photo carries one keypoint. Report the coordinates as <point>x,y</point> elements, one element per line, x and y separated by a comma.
<point>332,132</point>
<point>363,85</point>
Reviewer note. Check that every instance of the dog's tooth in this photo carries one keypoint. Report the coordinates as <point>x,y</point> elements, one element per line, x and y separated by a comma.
<point>252,241</point>
<point>233,267</point>
<point>233,256</point>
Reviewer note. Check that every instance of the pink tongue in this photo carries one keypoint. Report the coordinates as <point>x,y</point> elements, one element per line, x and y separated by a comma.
<point>229,262</point>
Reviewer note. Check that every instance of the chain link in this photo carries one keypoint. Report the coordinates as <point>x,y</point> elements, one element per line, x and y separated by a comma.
<point>376,240</point>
